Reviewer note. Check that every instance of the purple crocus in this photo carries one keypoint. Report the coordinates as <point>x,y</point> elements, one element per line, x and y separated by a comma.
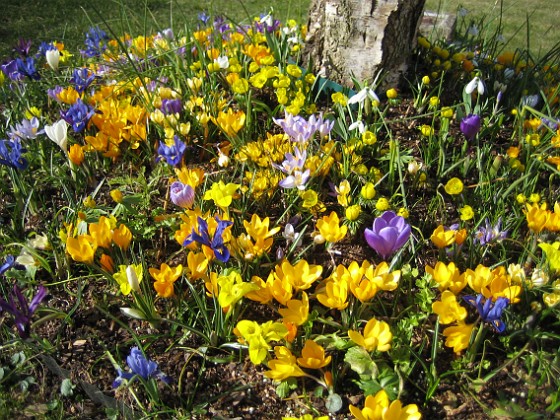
<point>26,129</point>
<point>488,310</point>
<point>78,115</point>
<point>488,233</point>
<point>21,310</point>
<point>140,367</point>
<point>171,106</point>
<point>301,130</point>
<point>217,243</point>
<point>11,70</point>
<point>173,154</point>
<point>182,195</point>
<point>470,126</point>
<point>23,47</point>
<point>388,234</point>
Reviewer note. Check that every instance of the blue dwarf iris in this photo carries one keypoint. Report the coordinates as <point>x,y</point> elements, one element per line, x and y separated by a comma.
<point>173,153</point>
<point>78,115</point>
<point>21,310</point>
<point>82,78</point>
<point>217,243</point>
<point>141,367</point>
<point>489,311</point>
<point>11,154</point>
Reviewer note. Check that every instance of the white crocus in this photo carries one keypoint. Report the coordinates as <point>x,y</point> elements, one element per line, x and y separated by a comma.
<point>223,61</point>
<point>53,58</point>
<point>58,132</point>
<point>475,83</point>
<point>132,278</point>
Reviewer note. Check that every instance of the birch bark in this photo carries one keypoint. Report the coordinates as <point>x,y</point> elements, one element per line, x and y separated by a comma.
<point>361,38</point>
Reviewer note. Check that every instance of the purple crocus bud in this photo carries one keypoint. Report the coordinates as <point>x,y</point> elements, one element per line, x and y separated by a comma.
<point>388,234</point>
<point>171,106</point>
<point>182,195</point>
<point>470,126</point>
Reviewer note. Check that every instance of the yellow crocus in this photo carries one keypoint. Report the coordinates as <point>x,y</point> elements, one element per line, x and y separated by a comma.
<point>232,288</point>
<point>122,236</point>
<point>447,276</point>
<point>284,366</point>
<point>448,309</point>
<point>313,356</point>
<point>537,217</point>
<point>300,276</point>
<point>222,194</point>
<point>443,238</point>
<point>82,248</point>
<point>378,407</point>
<point>297,311</point>
<point>377,336</point>
<point>458,336</point>
<point>101,232</point>
<point>197,265</point>
<point>334,294</point>
<point>329,227</point>
<point>165,278</point>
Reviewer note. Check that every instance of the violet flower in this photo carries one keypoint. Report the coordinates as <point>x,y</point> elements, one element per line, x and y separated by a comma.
<point>10,262</point>
<point>21,310</point>
<point>388,234</point>
<point>171,106</point>
<point>26,130</point>
<point>11,70</point>
<point>27,68</point>
<point>292,162</point>
<point>95,42</point>
<point>489,311</point>
<point>470,126</point>
<point>181,195</point>
<point>11,154</point>
<point>140,366</point>
<point>23,47</point>
<point>217,243</point>
<point>301,130</point>
<point>173,154</point>
<point>78,115</point>
<point>488,233</point>
<point>82,78</point>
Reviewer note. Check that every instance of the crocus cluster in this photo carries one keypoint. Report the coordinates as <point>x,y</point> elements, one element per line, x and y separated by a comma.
<point>301,130</point>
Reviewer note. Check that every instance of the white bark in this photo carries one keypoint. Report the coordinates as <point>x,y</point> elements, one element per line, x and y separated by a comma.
<point>352,38</point>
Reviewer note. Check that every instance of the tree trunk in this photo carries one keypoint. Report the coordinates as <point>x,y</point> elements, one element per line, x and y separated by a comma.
<point>358,38</point>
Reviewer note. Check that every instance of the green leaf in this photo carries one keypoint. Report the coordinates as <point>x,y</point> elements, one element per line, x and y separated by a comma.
<point>67,388</point>
<point>360,362</point>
